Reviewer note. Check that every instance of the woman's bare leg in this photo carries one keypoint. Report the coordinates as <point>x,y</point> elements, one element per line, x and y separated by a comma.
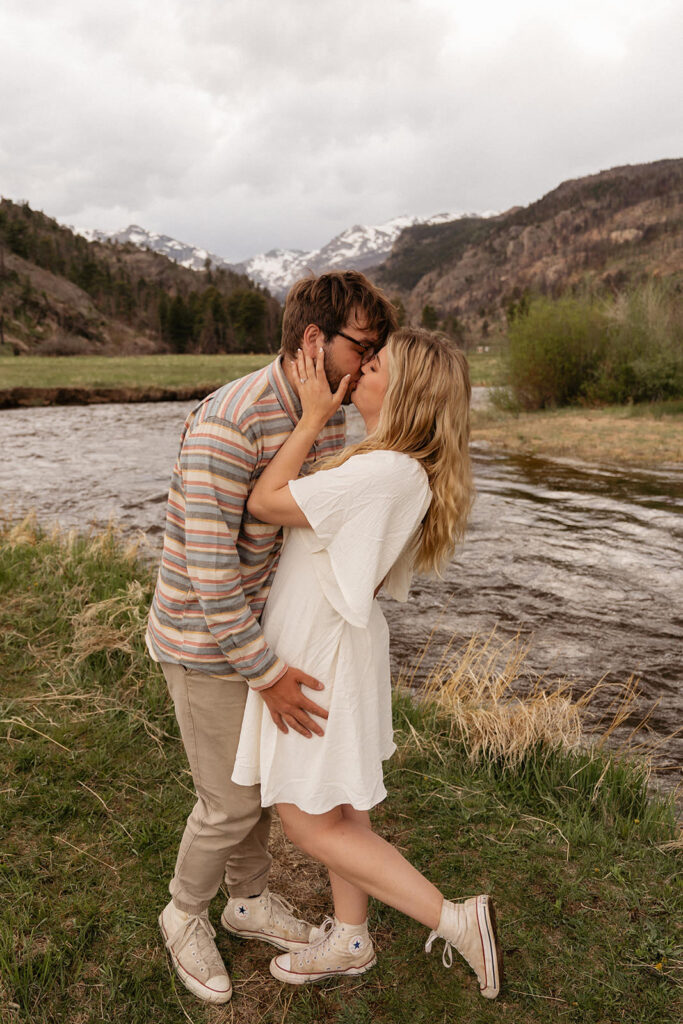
<point>347,845</point>
<point>350,902</point>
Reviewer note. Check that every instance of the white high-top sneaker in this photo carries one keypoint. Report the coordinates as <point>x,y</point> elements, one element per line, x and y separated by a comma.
<point>338,951</point>
<point>189,940</point>
<point>268,917</point>
<point>470,928</point>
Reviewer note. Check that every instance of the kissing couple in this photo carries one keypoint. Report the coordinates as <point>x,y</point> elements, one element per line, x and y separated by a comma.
<point>274,649</point>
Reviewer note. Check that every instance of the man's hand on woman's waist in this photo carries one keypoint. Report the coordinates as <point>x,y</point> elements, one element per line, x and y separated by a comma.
<point>289,707</point>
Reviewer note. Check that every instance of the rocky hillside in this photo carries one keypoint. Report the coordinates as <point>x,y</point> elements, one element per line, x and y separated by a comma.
<point>606,229</point>
<point>63,294</point>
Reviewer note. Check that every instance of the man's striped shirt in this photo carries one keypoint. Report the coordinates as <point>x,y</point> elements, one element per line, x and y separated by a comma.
<point>218,562</point>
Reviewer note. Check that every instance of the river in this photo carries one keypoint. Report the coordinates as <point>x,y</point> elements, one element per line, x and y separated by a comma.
<point>583,561</point>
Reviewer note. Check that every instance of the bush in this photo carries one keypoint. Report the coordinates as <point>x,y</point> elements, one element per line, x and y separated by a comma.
<point>597,351</point>
<point>554,350</point>
<point>644,356</point>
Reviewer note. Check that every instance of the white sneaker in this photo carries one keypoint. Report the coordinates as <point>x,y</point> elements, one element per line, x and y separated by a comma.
<point>189,940</point>
<point>339,951</point>
<point>470,927</point>
<point>268,917</point>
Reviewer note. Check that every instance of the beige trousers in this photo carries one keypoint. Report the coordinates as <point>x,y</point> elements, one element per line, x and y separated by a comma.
<point>226,836</point>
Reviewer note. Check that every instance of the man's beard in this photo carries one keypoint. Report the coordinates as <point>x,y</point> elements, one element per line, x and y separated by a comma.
<point>334,375</point>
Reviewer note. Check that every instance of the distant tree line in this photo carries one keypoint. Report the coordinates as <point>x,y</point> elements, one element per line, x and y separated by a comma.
<point>214,311</point>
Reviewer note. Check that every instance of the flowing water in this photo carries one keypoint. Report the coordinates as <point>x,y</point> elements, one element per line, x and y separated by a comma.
<point>583,561</point>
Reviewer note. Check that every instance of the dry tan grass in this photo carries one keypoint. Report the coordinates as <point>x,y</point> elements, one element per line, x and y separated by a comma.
<point>483,688</point>
<point>593,435</point>
<point>26,532</point>
<point>111,625</point>
<point>675,844</point>
<point>473,687</point>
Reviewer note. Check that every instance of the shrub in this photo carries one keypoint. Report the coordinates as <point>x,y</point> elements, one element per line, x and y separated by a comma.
<point>554,350</point>
<point>596,351</point>
<point>643,359</point>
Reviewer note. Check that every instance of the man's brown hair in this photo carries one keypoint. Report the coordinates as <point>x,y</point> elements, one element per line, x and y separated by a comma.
<point>329,301</point>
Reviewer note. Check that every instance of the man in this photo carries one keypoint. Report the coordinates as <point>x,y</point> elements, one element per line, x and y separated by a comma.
<point>216,570</point>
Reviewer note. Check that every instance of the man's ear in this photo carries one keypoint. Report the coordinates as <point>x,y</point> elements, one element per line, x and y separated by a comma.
<point>312,339</point>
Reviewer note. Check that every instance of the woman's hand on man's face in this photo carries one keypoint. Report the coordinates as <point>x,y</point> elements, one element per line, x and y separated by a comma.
<point>318,402</point>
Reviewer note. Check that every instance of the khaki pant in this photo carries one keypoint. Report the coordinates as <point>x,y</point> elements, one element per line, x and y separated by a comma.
<point>226,836</point>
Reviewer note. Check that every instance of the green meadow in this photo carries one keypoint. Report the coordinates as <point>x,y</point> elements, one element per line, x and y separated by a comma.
<point>163,371</point>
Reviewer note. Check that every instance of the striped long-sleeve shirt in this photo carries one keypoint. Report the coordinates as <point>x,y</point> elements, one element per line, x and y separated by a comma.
<point>218,561</point>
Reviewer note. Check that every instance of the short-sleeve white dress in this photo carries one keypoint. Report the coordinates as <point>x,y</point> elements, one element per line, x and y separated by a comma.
<point>321,617</point>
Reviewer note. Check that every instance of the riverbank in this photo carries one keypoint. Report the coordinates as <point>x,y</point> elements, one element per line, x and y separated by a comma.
<point>638,435</point>
<point>96,791</point>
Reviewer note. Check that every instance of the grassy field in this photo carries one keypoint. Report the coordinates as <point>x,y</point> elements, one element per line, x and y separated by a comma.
<point>647,435</point>
<point>95,791</point>
<point>163,371</point>
<point>487,369</point>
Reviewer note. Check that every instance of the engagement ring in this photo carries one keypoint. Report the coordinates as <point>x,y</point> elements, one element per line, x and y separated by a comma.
<point>302,380</point>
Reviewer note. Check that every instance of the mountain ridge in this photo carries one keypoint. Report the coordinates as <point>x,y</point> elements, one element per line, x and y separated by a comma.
<point>358,247</point>
<point>605,230</point>
<point>60,293</point>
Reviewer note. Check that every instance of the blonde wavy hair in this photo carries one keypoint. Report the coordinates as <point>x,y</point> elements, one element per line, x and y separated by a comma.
<point>426,414</point>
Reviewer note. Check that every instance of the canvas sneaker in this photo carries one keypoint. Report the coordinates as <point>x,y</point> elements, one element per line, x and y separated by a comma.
<point>338,951</point>
<point>470,928</point>
<point>189,941</point>
<point>268,917</point>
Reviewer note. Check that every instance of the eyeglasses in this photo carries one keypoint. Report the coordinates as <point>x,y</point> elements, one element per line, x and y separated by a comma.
<point>366,345</point>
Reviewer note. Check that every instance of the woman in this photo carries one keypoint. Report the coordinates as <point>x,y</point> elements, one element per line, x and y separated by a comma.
<point>396,501</point>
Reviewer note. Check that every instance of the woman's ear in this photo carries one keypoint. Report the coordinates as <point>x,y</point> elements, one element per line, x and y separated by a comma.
<point>312,339</point>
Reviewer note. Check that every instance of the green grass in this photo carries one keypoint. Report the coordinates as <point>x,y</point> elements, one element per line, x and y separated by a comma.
<point>659,410</point>
<point>94,794</point>
<point>166,371</point>
<point>163,371</point>
<point>487,369</point>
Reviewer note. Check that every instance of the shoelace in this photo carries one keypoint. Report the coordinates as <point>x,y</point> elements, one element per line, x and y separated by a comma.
<point>447,955</point>
<point>320,943</point>
<point>278,906</point>
<point>200,926</point>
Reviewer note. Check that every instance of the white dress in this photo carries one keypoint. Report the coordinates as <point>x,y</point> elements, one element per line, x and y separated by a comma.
<point>321,617</point>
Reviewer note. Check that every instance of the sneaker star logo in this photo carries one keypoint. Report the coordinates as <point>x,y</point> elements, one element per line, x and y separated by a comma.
<point>356,944</point>
<point>242,910</point>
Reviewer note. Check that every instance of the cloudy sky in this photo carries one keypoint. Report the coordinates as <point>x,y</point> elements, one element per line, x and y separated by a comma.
<point>242,125</point>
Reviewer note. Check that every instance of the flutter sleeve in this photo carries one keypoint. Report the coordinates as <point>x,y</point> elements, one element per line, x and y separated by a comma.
<point>363,518</point>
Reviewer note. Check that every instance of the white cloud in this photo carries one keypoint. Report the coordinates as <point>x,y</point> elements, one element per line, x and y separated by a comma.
<point>248,124</point>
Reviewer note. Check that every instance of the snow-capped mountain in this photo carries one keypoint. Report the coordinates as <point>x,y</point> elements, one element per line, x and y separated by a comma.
<point>189,256</point>
<point>358,247</point>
